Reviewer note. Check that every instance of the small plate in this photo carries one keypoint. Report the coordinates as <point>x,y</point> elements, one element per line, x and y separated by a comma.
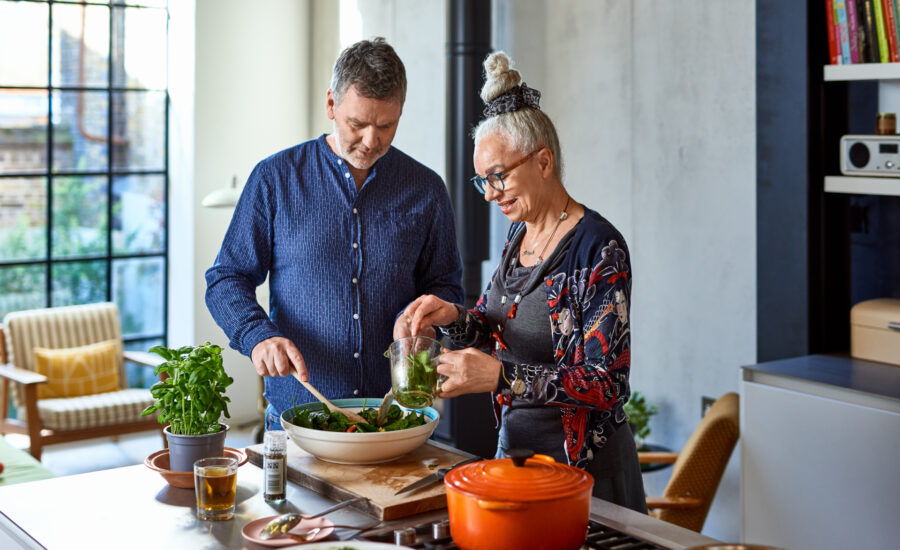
<point>252,529</point>
<point>159,462</point>
<point>354,544</point>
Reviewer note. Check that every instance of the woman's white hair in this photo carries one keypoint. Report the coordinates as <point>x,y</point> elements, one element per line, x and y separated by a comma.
<point>526,129</point>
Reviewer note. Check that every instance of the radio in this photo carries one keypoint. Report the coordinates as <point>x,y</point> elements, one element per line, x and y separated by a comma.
<point>870,156</point>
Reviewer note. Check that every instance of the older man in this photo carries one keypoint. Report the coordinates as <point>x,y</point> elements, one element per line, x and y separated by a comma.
<point>349,230</point>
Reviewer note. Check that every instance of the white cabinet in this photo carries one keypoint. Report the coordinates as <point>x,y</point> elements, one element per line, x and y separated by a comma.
<point>820,462</point>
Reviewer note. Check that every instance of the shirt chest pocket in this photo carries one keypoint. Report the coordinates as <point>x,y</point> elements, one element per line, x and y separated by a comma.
<point>397,238</point>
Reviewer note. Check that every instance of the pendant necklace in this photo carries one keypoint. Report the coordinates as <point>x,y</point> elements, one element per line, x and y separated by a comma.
<point>500,344</point>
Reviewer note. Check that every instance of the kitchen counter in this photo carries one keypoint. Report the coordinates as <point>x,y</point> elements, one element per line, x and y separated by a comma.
<point>819,438</point>
<point>867,379</point>
<point>133,507</point>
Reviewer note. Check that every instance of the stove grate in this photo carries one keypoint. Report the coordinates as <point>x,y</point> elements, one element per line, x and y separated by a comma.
<point>600,537</point>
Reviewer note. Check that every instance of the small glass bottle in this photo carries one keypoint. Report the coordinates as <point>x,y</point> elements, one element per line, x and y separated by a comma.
<point>274,465</point>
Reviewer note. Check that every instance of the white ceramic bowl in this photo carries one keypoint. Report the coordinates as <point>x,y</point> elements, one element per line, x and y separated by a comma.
<point>358,447</point>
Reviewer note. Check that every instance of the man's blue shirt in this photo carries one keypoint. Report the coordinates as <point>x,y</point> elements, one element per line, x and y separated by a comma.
<point>341,264</point>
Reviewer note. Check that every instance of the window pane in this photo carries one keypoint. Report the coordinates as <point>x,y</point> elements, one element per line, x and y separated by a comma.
<point>78,282</point>
<point>138,291</point>
<point>139,52</point>
<point>23,30</point>
<point>80,45</point>
<point>140,117</point>
<point>22,287</point>
<point>139,376</point>
<point>79,127</point>
<point>150,3</point>
<point>23,219</point>
<point>23,131</point>
<point>79,216</point>
<point>138,214</point>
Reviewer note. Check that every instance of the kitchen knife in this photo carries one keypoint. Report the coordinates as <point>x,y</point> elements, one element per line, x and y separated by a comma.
<point>431,479</point>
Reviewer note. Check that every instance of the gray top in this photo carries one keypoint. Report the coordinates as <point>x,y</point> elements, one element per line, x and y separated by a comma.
<point>878,379</point>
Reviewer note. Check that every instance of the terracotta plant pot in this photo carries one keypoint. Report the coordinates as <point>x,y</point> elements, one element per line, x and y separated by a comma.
<point>529,501</point>
<point>184,450</point>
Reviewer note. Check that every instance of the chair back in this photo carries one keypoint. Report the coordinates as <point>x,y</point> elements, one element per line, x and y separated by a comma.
<point>701,463</point>
<point>60,327</point>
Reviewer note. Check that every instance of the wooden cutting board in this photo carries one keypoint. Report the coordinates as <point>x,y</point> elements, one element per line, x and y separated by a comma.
<point>376,482</point>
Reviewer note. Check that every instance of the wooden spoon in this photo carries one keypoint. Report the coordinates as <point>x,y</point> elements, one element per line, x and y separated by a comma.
<point>351,416</point>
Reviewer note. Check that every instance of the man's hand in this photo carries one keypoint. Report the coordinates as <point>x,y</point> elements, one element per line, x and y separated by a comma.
<point>278,356</point>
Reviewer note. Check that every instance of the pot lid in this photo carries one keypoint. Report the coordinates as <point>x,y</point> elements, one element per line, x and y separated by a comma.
<point>523,477</point>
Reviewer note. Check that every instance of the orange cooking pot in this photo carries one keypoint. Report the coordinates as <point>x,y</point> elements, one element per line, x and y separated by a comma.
<point>525,502</point>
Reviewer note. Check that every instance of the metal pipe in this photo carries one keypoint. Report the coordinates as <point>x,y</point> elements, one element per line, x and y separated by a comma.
<point>469,42</point>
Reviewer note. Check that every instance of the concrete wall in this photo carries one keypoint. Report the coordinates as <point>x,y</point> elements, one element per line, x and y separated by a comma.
<point>654,102</point>
<point>417,31</point>
<point>244,97</point>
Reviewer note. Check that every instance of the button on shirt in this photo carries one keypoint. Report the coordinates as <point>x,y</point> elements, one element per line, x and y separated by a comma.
<point>342,264</point>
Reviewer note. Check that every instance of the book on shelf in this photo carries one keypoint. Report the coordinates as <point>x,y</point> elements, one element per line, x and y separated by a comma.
<point>834,50</point>
<point>841,7</point>
<point>864,47</point>
<point>871,32</point>
<point>890,29</point>
<point>853,32</point>
<point>884,53</point>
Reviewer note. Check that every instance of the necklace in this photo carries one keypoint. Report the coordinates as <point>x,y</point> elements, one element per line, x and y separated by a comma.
<point>562,215</point>
<point>498,334</point>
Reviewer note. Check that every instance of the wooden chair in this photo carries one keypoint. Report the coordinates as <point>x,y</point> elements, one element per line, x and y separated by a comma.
<point>698,468</point>
<point>63,419</point>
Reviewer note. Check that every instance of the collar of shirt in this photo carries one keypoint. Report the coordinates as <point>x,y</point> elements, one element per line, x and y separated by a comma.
<point>341,166</point>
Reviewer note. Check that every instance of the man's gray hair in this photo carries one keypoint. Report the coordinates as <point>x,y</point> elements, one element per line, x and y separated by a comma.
<point>373,67</point>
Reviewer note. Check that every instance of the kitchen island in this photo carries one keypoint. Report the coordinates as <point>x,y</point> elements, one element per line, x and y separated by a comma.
<point>133,507</point>
<point>819,442</point>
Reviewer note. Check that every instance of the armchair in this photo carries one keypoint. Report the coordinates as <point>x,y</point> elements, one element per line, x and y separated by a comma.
<point>698,468</point>
<point>50,420</point>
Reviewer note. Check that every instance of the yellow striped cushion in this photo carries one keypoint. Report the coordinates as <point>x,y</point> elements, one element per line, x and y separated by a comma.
<point>84,370</point>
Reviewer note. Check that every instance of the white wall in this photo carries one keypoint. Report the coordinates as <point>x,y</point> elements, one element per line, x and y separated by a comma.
<point>655,106</point>
<point>417,31</point>
<point>250,99</point>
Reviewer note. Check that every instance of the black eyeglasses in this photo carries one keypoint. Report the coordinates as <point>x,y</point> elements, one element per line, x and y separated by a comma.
<point>495,180</point>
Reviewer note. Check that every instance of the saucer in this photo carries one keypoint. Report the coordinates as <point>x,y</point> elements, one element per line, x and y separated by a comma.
<point>159,462</point>
<point>252,529</point>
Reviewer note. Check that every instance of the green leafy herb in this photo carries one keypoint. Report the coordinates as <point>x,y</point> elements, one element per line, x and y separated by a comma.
<point>337,422</point>
<point>191,398</point>
<point>421,380</point>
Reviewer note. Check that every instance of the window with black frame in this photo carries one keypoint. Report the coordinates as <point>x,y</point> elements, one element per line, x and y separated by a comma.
<point>84,162</point>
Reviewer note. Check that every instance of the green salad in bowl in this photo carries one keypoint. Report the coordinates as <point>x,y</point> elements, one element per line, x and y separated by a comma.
<point>330,436</point>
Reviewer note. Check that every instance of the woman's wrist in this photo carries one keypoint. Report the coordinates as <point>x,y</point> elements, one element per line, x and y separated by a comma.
<point>460,315</point>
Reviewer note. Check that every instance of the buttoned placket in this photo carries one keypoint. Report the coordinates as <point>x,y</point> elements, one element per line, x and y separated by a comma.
<point>356,262</point>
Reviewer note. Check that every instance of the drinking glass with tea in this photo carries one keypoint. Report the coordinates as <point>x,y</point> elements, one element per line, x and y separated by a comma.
<point>215,482</point>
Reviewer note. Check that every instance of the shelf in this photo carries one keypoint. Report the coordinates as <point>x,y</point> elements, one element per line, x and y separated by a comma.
<point>858,185</point>
<point>863,71</point>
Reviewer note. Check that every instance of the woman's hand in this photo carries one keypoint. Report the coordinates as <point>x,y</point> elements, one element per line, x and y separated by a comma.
<point>468,371</point>
<point>425,313</point>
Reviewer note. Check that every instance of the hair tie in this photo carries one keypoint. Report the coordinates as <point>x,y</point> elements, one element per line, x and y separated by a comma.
<point>518,97</point>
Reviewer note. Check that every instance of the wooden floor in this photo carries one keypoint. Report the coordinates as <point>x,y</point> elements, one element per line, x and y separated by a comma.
<point>103,453</point>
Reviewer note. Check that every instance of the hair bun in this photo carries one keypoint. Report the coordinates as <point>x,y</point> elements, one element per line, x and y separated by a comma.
<point>499,77</point>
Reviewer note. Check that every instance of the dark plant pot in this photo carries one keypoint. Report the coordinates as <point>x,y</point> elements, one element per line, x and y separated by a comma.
<point>184,450</point>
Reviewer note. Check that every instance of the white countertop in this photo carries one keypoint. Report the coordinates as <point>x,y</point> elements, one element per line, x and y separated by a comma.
<point>133,507</point>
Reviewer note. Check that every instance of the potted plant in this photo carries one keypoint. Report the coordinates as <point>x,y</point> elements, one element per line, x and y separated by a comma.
<point>190,398</point>
<point>639,412</point>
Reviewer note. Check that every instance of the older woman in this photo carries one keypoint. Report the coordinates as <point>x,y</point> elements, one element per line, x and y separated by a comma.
<point>550,335</point>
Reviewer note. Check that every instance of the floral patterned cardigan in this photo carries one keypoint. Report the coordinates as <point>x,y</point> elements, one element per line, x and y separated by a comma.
<point>589,297</point>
